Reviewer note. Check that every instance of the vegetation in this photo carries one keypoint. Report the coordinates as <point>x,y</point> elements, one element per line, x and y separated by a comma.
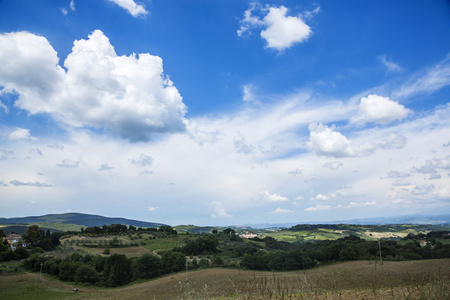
<point>426,279</point>
<point>114,255</point>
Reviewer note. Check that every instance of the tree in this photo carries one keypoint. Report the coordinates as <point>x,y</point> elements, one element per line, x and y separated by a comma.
<point>117,270</point>
<point>229,231</point>
<point>67,270</point>
<point>86,273</point>
<point>147,266</point>
<point>173,261</point>
<point>33,235</point>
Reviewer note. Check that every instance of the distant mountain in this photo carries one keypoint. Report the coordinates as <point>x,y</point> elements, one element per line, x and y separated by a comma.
<point>415,220</point>
<point>411,219</point>
<point>78,219</point>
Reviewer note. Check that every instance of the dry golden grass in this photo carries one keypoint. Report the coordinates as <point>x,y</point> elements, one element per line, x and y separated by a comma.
<point>427,279</point>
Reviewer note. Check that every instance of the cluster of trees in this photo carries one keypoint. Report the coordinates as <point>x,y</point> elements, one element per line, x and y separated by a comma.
<point>200,246</point>
<point>283,256</point>
<point>36,239</point>
<point>430,236</point>
<point>120,228</point>
<point>114,270</point>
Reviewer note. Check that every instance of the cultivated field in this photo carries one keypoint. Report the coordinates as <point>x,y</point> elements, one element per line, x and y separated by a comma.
<point>145,244</point>
<point>426,279</point>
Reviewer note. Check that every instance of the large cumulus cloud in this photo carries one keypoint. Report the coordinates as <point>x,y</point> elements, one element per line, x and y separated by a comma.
<point>128,95</point>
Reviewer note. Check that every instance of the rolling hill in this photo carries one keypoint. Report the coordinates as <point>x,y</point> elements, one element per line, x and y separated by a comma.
<point>78,219</point>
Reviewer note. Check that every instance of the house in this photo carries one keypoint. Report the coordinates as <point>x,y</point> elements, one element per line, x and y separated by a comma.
<point>248,235</point>
<point>15,239</point>
<point>423,243</point>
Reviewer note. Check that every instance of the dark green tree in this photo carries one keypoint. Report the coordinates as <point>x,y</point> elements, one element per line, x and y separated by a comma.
<point>117,270</point>
<point>86,273</point>
<point>147,266</point>
<point>33,235</point>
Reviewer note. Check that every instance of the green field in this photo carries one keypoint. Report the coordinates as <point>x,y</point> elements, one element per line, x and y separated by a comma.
<point>145,244</point>
<point>425,279</point>
<point>303,233</point>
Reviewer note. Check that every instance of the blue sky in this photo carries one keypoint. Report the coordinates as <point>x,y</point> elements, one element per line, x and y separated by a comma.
<point>225,112</point>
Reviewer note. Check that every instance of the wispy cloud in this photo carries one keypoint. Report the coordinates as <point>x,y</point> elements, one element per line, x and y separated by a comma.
<point>35,184</point>
<point>132,7</point>
<point>68,163</point>
<point>428,81</point>
<point>390,65</point>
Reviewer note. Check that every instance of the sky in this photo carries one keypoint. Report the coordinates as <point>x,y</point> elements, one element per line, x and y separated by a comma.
<point>225,112</point>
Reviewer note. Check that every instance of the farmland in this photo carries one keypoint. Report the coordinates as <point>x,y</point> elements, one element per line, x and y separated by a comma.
<point>131,246</point>
<point>426,279</point>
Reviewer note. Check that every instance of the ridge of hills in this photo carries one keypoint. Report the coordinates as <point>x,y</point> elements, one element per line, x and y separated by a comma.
<point>408,219</point>
<point>78,219</point>
<point>90,220</point>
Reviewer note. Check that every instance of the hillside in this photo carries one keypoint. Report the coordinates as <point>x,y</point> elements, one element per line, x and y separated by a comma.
<point>351,280</point>
<point>78,219</point>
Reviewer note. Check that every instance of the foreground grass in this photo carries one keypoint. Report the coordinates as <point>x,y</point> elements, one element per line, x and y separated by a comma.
<point>426,279</point>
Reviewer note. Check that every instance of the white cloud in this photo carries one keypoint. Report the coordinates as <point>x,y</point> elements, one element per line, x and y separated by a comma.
<point>323,140</point>
<point>281,31</point>
<point>389,64</point>
<point>151,208</point>
<point>219,211</point>
<point>381,110</point>
<point>64,11</point>
<point>21,134</point>
<point>132,7</point>
<point>72,5</point>
<point>248,94</point>
<point>333,165</point>
<point>128,95</point>
<point>318,207</point>
<point>360,204</point>
<point>319,197</point>
<point>393,141</point>
<point>249,20</point>
<point>281,211</point>
<point>266,197</point>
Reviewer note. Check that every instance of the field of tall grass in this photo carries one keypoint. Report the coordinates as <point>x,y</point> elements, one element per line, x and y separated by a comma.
<point>425,279</point>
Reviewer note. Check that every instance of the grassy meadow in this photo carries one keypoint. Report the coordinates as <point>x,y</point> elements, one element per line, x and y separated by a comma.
<point>425,279</point>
